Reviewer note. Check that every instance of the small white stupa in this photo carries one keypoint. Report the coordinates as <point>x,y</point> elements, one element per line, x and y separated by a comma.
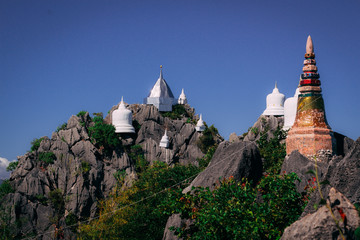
<point>182,98</point>
<point>164,142</point>
<point>200,126</point>
<point>161,95</point>
<point>290,108</point>
<point>122,119</point>
<point>275,103</point>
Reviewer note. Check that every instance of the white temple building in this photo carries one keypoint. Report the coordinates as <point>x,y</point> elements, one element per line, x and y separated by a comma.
<point>290,108</point>
<point>182,98</point>
<point>122,119</point>
<point>274,103</point>
<point>164,142</point>
<point>200,126</point>
<point>161,95</point>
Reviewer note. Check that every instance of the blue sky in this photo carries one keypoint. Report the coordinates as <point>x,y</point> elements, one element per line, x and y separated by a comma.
<point>60,57</point>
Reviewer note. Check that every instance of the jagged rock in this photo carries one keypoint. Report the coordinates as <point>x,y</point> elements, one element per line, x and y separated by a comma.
<point>301,165</point>
<point>343,174</point>
<point>264,123</point>
<point>173,221</point>
<point>343,144</point>
<point>321,225</point>
<point>240,160</point>
<point>234,138</point>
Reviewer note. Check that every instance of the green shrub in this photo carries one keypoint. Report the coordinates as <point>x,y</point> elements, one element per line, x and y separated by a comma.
<point>56,199</point>
<point>41,198</point>
<point>5,188</point>
<point>272,150</point>
<point>12,166</point>
<point>140,219</point>
<point>120,176</point>
<point>71,219</point>
<point>207,139</point>
<point>204,161</point>
<point>85,167</point>
<point>178,112</point>
<point>237,211</point>
<point>61,127</point>
<point>35,144</point>
<point>103,136</point>
<point>47,157</point>
<point>137,156</point>
<point>81,113</point>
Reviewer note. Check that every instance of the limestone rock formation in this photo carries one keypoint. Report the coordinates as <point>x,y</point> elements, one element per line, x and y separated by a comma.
<point>321,225</point>
<point>79,173</point>
<point>264,124</point>
<point>301,165</point>
<point>240,160</point>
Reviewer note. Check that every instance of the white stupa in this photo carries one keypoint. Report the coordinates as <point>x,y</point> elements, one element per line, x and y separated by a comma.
<point>161,95</point>
<point>182,98</point>
<point>275,103</point>
<point>290,108</point>
<point>122,119</point>
<point>200,126</point>
<point>164,142</point>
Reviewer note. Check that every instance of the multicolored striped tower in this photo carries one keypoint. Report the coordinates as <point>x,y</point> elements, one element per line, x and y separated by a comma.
<point>310,132</point>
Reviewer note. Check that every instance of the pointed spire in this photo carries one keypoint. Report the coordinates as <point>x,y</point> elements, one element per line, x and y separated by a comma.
<point>182,92</point>
<point>122,104</point>
<point>309,45</point>
<point>161,74</point>
<point>275,84</point>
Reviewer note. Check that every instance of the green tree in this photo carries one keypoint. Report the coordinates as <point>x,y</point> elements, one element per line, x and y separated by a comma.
<point>103,136</point>
<point>135,212</point>
<point>239,211</point>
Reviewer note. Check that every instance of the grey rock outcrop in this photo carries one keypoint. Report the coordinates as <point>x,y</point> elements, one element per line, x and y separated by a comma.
<point>341,173</point>
<point>301,165</point>
<point>321,225</point>
<point>81,173</point>
<point>264,124</point>
<point>240,160</point>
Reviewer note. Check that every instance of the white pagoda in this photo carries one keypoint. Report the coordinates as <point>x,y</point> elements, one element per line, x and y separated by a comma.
<point>161,95</point>
<point>274,103</point>
<point>122,119</point>
<point>290,108</point>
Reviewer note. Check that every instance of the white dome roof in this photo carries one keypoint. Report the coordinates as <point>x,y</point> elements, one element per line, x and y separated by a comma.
<point>164,142</point>
<point>122,119</point>
<point>275,103</point>
<point>290,108</point>
<point>200,126</point>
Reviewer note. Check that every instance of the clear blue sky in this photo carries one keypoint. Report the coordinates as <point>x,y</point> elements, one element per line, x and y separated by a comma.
<point>60,57</point>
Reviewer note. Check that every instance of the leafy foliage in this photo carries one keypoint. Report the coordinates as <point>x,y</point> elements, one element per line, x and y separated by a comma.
<point>12,166</point>
<point>204,161</point>
<point>121,218</point>
<point>178,112</point>
<point>85,167</point>
<point>81,113</point>
<point>103,136</point>
<point>272,150</point>
<point>5,188</point>
<point>239,211</point>
<point>61,127</point>
<point>137,155</point>
<point>57,201</point>
<point>35,144</point>
<point>207,139</point>
<point>47,157</point>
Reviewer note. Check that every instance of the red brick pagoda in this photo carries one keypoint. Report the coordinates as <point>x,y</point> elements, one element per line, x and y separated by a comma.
<point>310,132</point>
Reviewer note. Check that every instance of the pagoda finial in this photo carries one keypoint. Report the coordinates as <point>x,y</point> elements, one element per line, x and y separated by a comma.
<point>309,45</point>
<point>122,99</point>
<point>275,84</point>
<point>161,75</point>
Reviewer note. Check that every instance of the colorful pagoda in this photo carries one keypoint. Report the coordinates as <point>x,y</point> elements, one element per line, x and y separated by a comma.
<point>310,132</point>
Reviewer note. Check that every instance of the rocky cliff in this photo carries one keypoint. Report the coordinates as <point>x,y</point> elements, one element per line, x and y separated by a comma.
<point>62,180</point>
